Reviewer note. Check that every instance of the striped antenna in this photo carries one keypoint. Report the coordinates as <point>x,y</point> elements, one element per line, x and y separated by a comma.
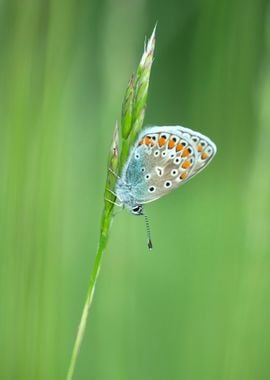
<point>149,241</point>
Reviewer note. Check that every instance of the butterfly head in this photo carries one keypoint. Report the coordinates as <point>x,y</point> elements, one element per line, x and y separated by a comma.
<point>137,210</point>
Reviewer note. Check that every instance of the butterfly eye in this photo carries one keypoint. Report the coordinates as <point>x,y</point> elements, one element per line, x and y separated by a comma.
<point>152,189</point>
<point>137,210</point>
<point>168,184</point>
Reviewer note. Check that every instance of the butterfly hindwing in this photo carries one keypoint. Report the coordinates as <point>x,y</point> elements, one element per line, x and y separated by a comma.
<point>163,158</point>
<point>205,148</point>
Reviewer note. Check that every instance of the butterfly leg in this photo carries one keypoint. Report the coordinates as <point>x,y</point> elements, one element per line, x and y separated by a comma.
<point>114,203</point>
<point>115,174</point>
<point>112,192</point>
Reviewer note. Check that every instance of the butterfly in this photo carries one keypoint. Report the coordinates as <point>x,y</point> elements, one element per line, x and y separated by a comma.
<point>162,159</point>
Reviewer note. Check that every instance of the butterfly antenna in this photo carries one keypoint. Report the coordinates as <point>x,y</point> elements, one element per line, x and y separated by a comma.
<point>149,241</point>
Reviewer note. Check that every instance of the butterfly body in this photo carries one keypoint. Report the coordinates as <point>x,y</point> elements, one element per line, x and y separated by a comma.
<point>161,160</point>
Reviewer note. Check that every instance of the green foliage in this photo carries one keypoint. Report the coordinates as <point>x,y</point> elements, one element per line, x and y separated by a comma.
<point>198,308</point>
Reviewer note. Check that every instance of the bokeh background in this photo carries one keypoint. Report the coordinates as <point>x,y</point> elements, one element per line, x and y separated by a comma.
<point>199,306</point>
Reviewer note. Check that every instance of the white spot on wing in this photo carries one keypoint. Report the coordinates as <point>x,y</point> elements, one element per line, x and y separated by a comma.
<point>151,189</point>
<point>167,184</point>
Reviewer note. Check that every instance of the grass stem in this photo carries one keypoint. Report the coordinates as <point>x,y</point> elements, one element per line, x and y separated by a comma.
<point>133,110</point>
<point>104,235</point>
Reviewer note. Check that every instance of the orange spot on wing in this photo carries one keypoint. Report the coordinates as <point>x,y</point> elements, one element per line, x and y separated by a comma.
<point>141,142</point>
<point>171,144</point>
<point>186,165</point>
<point>161,141</point>
<point>183,175</point>
<point>204,156</point>
<point>148,141</point>
<point>185,153</point>
<point>179,147</point>
<point>199,148</point>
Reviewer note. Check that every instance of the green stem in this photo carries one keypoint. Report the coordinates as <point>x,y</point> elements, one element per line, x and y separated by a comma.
<point>133,110</point>
<point>104,234</point>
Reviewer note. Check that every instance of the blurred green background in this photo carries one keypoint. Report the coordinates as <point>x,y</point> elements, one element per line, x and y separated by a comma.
<point>199,306</point>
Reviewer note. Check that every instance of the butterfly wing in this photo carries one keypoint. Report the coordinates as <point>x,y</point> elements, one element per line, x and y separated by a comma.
<point>164,158</point>
<point>204,147</point>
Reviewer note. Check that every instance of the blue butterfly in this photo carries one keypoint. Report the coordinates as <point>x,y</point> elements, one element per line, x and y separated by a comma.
<point>162,159</point>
